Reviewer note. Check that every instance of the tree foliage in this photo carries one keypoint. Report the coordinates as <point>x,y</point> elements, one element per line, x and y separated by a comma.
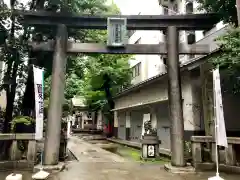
<point>105,72</point>
<point>86,75</point>
<point>75,64</point>
<point>226,8</point>
<point>13,55</point>
<point>228,59</point>
<point>96,77</point>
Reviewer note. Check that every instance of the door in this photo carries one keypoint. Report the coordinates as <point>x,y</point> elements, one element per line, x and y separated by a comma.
<point>122,126</point>
<point>136,126</point>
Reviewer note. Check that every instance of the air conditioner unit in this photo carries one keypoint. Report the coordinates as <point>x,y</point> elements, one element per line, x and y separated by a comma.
<point>117,32</point>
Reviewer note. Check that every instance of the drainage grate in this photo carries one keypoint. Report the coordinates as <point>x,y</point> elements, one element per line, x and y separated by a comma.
<point>95,157</point>
<point>91,150</point>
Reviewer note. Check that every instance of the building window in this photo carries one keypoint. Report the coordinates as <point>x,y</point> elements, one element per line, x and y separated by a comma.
<point>165,60</point>
<point>136,70</point>
<point>138,41</point>
<point>205,32</point>
<point>164,32</point>
<point>175,8</point>
<point>89,115</point>
<point>165,10</point>
<point>189,8</point>
<point>191,38</point>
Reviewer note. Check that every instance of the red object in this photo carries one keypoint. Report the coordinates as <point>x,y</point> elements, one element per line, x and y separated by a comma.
<point>108,130</point>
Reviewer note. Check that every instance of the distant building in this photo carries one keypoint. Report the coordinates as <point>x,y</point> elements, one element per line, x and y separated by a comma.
<point>148,94</point>
<point>147,66</point>
<point>81,115</point>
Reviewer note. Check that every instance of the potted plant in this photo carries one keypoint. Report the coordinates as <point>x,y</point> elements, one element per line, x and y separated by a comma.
<point>23,124</point>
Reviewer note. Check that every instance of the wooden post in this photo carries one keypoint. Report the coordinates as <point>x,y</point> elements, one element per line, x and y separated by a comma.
<point>52,139</point>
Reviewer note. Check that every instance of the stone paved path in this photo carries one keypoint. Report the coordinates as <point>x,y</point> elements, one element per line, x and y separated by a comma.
<point>86,152</point>
<point>97,164</point>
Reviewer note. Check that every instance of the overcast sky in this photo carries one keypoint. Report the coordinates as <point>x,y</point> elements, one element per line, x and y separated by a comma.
<point>126,6</point>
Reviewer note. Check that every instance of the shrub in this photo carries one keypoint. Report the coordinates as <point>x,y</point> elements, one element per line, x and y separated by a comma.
<point>26,120</point>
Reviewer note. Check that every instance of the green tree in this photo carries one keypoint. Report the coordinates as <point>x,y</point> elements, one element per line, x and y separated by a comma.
<point>12,53</point>
<point>83,73</point>
<point>105,75</point>
<point>226,8</point>
<point>228,59</point>
<point>75,66</point>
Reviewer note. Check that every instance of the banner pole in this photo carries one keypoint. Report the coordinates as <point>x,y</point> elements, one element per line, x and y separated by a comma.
<point>215,104</point>
<point>215,119</point>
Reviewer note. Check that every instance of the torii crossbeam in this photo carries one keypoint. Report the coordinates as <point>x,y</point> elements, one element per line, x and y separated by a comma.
<point>134,22</point>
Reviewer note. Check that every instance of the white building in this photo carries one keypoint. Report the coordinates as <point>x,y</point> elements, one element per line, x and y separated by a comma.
<point>147,66</point>
<point>148,94</point>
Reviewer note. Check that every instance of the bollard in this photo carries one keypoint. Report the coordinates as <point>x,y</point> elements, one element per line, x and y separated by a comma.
<point>14,177</point>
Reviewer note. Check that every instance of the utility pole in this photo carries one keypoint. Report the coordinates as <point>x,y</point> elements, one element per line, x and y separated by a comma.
<point>53,132</point>
<point>238,11</point>
<point>175,95</point>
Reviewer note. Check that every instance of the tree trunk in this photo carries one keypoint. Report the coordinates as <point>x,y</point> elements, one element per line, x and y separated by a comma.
<point>28,103</point>
<point>28,98</point>
<point>40,4</point>
<point>11,96</point>
<point>110,114</point>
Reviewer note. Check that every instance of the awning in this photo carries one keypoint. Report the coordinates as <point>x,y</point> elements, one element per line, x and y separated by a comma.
<point>141,104</point>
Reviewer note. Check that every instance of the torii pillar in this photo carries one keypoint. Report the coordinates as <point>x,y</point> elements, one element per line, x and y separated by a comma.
<point>53,131</point>
<point>175,97</point>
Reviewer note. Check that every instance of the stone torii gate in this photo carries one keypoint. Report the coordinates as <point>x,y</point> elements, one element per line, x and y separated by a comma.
<point>169,23</point>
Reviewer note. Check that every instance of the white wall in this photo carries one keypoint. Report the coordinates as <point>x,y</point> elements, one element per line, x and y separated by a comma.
<point>151,65</point>
<point>158,91</point>
<point>100,122</point>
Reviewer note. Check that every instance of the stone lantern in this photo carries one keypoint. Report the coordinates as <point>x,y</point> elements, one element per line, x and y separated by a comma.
<point>150,142</point>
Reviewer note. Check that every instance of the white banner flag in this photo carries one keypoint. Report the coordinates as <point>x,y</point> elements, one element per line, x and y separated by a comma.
<point>220,135</point>
<point>39,107</point>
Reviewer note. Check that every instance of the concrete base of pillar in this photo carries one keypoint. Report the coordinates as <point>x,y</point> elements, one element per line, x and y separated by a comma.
<point>49,168</point>
<point>187,169</point>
